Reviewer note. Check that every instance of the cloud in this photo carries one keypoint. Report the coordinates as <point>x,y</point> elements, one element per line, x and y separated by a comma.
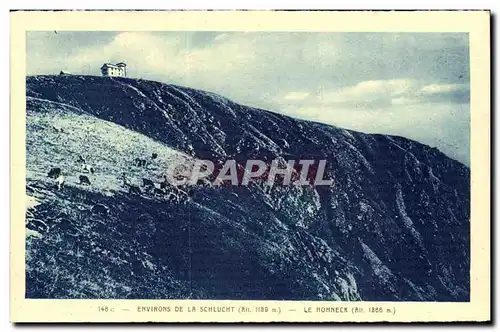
<point>444,126</point>
<point>295,95</point>
<point>318,76</point>
<point>404,101</point>
<point>446,93</point>
<point>440,88</point>
<point>377,93</point>
<point>435,114</point>
<point>253,67</point>
<point>368,92</point>
<point>143,52</point>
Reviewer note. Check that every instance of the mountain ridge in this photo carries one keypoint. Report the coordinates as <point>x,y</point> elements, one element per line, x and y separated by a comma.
<point>393,203</point>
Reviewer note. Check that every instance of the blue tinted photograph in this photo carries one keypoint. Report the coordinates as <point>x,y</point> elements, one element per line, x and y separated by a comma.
<point>219,165</point>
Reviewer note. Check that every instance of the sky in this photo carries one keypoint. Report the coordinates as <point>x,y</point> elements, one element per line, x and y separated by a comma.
<point>414,85</point>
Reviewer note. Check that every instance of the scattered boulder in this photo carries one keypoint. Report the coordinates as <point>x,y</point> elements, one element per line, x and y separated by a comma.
<point>134,190</point>
<point>100,209</point>
<point>146,183</point>
<point>84,180</point>
<point>37,225</point>
<point>54,172</point>
<point>159,192</point>
<point>140,162</point>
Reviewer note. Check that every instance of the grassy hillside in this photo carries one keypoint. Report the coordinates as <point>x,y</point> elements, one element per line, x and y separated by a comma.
<point>394,225</point>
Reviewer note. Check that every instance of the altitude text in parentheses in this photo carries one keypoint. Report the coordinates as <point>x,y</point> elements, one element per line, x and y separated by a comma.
<point>276,310</point>
<point>357,310</point>
<point>243,310</point>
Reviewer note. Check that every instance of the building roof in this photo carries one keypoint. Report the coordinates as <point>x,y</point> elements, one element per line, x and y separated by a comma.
<point>110,65</point>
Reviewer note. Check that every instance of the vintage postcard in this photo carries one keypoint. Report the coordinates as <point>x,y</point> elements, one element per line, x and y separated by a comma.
<point>250,166</point>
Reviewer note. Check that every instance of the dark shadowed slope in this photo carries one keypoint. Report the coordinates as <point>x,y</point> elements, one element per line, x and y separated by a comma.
<point>394,226</point>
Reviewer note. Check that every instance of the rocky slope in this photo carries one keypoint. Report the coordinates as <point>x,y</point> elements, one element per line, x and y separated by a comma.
<point>393,226</point>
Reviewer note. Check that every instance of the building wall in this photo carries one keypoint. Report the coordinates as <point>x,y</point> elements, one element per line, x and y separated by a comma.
<point>110,71</point>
